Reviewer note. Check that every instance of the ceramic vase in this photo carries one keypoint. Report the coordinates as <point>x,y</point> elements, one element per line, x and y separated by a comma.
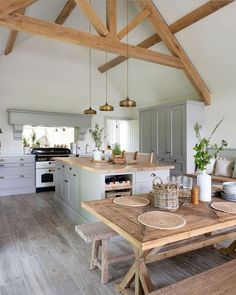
<point>204,183</point>
<point>97,155</point>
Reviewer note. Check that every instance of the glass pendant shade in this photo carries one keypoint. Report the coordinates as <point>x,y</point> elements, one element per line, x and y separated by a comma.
<point>90,111</point>
<point>106,108</point>
<point>128,103</point>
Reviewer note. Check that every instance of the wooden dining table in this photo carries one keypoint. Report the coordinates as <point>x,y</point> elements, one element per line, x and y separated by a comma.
<point>204,227</point>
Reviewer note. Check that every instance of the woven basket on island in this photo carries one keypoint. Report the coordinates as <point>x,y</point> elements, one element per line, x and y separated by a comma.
<point>165,195</point>
<point>118,160</point>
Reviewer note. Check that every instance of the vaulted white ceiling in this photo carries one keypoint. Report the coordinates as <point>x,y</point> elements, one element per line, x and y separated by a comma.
<point>209,43</point>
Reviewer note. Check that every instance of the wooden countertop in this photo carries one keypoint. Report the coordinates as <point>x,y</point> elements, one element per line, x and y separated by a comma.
<point>87,164</point>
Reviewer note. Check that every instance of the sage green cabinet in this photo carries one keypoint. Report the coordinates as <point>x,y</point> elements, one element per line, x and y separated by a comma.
<point>168,131</point>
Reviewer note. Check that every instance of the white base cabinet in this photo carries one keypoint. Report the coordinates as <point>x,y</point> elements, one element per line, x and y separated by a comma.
<point>17,175</point>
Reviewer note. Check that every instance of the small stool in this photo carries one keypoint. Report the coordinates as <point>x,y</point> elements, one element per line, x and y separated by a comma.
<point>98,234</point>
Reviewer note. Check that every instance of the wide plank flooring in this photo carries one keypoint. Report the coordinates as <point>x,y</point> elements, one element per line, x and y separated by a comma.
<point>40,253</point>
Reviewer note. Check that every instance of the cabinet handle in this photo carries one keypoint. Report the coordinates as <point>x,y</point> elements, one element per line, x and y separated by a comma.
<point>22,165</point>
<point>2,177</point>
<point>2,165</point>
<point>63,166</point>
<point>21,159</point>
<point>21,176</point>
<point>74,174</point>
<point>1,160</point>
<point>51,170</point>
<point>153,175</point>
<point>70,168</point>
<point>66,181</point>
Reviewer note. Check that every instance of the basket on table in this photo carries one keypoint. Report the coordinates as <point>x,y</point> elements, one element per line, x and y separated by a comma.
<point>165,195</point>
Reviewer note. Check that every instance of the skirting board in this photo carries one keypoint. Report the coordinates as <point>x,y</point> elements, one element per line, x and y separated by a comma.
<point>17,191</point>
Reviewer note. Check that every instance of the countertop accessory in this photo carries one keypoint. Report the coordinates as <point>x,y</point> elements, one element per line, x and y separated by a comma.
<point>131,201</point>
<point>195,195</point>
<point>165,195</point>
<point>227,207</point>
<point>162,220</point>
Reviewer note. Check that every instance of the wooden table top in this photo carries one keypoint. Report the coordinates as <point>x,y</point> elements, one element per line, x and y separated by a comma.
<point>200,219</point>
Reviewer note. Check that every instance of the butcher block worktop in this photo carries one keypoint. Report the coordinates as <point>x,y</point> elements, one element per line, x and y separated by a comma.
<point>88,164</point>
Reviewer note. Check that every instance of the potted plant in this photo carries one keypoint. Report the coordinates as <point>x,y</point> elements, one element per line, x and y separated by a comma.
<point>98,137</point>
<point>205,152</point>
<point>117,154</point>
<point>26,145</point>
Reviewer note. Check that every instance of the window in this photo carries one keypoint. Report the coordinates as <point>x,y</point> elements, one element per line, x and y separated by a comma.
<point>48,136</point>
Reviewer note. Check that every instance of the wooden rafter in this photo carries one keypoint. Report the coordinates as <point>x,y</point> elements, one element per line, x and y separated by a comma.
<point>92,16</point>
<point>136,21</point>
<point>9,6</point>
<point>54,31</point>
<point>182,23</point>
<point>12,36</point>
<point>65,12</point>
<point>111,10</point>
<point>176,49</point>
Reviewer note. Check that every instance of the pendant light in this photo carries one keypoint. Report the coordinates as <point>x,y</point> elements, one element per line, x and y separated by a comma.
<point>90,111</point>
<point>127,103</point>
<point>106,107</point>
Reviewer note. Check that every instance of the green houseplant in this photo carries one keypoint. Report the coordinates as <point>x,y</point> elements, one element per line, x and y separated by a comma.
<point>205,151</point>
<point>117,154</point>
<point>98,138</point>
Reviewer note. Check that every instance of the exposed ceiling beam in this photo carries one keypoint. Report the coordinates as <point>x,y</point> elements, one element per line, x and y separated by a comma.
<point>182,23</point>
<point>111,9</point>
<point>9,6</point>
<point>176,49</point>
<point>92,16</point>
<point>65,12</point>
<point>136,21</point>
<point>12,36</point>
<point>54,31</point>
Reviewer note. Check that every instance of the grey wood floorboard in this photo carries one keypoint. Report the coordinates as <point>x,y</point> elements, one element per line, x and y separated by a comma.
<point>36,279</point>
<point>17,288</point>
<point>41,254</point>
<point>9,265</point>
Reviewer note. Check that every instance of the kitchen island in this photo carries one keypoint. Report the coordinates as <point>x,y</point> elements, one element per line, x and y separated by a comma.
<point>81,179</point>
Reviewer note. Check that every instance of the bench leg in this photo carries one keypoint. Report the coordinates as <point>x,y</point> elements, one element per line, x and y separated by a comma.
<point>94,256</point>
<point>104,268</point>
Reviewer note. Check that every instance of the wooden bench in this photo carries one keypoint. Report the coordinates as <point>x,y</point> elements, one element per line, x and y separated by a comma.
<point>99,235</point>
<point>217,281</point>
<point>215,178</point>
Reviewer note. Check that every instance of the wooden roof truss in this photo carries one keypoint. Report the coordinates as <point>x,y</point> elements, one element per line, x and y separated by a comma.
<point>12,15</point>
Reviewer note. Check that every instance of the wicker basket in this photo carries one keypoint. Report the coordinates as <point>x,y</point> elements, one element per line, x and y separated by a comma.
<point>165,195</point>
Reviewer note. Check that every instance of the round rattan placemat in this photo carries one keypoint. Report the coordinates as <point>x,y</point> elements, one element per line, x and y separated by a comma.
<point>131,201</point>
<point>227,207</point>
<point>161,220</point>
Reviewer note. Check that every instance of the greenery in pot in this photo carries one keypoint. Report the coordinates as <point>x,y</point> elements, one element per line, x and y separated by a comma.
<point>205,150</point>
<point>25,142</point>
<point>97,135</point>
<point>116,151</point>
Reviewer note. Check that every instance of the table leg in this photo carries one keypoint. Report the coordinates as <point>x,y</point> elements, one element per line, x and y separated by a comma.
<point>230,250</point>
<point>138,273</point>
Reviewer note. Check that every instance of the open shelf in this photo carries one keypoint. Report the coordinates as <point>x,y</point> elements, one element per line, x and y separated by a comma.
<point>122,186</point>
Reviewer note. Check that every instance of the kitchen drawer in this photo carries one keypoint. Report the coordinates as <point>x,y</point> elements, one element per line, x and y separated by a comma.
<point>69,169</point>
<point>145,176</point>
<point>6,171</point>
<point>13,166</point>
<point>17,159</point>
<point>18,181</point>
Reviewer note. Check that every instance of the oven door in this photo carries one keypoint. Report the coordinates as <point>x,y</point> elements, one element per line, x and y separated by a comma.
<point>45,177</point>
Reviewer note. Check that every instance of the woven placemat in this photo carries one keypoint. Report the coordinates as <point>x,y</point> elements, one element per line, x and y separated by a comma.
<point>131,201</point>
<point>227,207</point>
<point>161,220</point>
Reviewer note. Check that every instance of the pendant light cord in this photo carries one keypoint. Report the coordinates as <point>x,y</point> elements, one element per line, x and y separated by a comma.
<point>90,67</point>
<point>127,40</point>
<point>106,78</point>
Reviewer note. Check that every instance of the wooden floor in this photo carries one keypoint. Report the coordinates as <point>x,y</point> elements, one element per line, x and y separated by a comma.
<point>41,254</point>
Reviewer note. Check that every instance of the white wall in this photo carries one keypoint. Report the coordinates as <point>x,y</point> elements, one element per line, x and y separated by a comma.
<point>46,75</point>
